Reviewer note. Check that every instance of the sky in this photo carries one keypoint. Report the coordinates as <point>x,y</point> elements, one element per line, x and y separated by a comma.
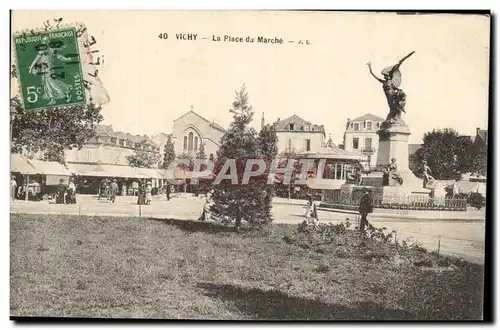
<point>152,81</point>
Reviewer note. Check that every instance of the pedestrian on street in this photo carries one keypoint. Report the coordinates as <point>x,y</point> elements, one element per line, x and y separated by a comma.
<point>167,191</point>
<point>365,207</point>
<point>71,196</point>
<point>113,191</point>
<point>13,187</point>
<point>141,193</point>
<point>61,192</point>
<point>149,195</point>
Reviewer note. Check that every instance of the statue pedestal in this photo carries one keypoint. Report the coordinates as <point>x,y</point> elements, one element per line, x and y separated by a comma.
<point>393,144</point>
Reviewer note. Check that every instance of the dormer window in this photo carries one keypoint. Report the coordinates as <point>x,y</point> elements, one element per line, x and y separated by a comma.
<point>369,125</point>
<point>356,126</point>
<point>291,127</point>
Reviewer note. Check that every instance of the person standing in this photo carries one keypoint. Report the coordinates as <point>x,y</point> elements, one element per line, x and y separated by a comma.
<point>113,191</point>
<point>13,187</point>
<point>149,195</point>
<point>61,192</point>
<point>365,207</point>
<point>167,191</point>
<point>140,193</point>
<point>71,197</point>
<point>124,189</point>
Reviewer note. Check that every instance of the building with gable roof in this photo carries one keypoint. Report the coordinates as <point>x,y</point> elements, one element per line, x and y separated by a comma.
<point>191,130</point>
<point>298,135</point>
<point>361,136</point>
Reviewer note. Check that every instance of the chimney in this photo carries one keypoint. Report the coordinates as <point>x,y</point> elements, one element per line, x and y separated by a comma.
<point>477,131</point>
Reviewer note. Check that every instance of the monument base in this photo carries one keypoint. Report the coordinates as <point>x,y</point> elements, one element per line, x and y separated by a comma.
<point>411,190</point>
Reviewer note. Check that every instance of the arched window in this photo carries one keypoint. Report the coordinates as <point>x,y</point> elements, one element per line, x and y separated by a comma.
<point>211,157</point>
<point>190,143</point>
<point>185,143</point>
<point>195,143</point>
<point>356,126</point>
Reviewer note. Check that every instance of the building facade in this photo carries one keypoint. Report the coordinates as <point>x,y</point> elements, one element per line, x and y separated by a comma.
<point>110,147</point>
<point>298,135</point>
<point>191,130</point>
<point>361,136</point>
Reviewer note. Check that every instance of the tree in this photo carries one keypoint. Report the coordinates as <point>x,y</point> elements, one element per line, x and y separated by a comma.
<point>268,144</point>
<point>439,150</point>
<point>480,158</point>
<point>52,130</point>
<point>143,156</point>
<point>200,154</point>
<point>203,184</point>
<point>284,158</point>
<point>239,143</point>
<point>168,152</point>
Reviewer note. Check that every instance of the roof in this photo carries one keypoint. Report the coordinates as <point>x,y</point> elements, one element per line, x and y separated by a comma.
<point>24,165</point>
<point>368,116</point>
<point>121,171</point>
<point>212,123</point>
<point>299,123</point>
<point>334,152</point>
<point>483,135</point>
<point>108,130</point>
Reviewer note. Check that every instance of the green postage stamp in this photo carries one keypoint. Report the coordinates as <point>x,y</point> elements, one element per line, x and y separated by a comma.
<point>49,68</point>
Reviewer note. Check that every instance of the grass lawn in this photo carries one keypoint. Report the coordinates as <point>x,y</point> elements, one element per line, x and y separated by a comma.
<point>68,266</point>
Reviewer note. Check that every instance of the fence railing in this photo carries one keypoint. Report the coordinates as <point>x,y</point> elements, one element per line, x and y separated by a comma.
<point>349,201</point>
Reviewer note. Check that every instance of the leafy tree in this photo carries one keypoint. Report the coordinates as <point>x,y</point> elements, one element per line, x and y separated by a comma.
<point>203,185</point>
<point>168,152</point>
<point>200,154</point>
<point>52,130</point>
<point>143,156</point>
<point>240,143</point>
<point>284,158</point>
<point>268,144</point>
<point>439,150</point>
<point>480,158</point>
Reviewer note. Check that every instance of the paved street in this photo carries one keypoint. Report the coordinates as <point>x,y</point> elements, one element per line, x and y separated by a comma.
<point>461,238</point>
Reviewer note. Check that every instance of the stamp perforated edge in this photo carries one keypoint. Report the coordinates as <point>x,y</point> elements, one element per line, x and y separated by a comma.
<point>81,38</point>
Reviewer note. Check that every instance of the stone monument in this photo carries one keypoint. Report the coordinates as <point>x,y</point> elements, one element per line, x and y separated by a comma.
<point>392,180</point>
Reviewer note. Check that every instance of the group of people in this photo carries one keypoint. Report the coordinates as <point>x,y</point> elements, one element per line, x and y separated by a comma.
<point>145,195</point>
<point>66,194</point>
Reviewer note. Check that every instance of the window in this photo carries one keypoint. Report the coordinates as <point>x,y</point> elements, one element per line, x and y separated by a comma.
<point>369,125</point>
<point>291,127</point>
<point>355,143</point>
<point>190,141</point>
<point>368,143</point>
<point>121,142</point>
<point>195,143</point>
<point>113,140</point>
<point>211,157</point>
<point>364,124</point>
<point>185,143</point>
<point>308,145</point>
<point>356,126</point>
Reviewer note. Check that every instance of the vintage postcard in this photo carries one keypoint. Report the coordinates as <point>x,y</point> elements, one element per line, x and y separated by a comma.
<point>249,165</point>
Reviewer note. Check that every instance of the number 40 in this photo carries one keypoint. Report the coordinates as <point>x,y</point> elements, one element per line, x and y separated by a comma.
<point>163,35</point>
